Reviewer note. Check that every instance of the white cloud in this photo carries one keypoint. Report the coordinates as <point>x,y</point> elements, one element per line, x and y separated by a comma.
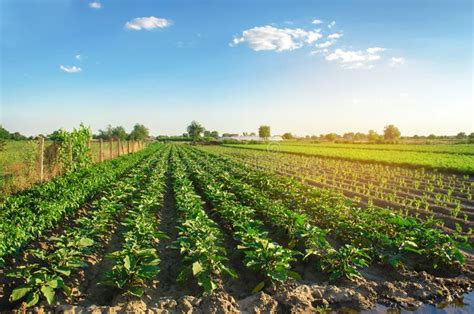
<point>396,62</point>
<point>354,59</point>
<point>332,24</point>
<point>278,39</point>
<point>147,23</point>
<point>356,101</point>
<point>70,69</point>
<point>326,44</point>
<point>95,5</point>
<point>78,57</point>
<point>317,21</point>
<point>335,36</point>
<point>374,50</point>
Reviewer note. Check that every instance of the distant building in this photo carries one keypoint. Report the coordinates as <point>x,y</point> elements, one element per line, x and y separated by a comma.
<point>276,138</point>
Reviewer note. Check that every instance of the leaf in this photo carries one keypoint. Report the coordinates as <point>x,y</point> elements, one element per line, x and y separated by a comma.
<point>67,290</point>
<point>64,271</point>
<point>19,293</point>
<point>136,291</point>
<point>258,287</point>
<point>55,283</point>
<point>48,293</point>
<point>32,299</point>
<point>126,262</point>
<point>85,242</point>
<point>197,268</point>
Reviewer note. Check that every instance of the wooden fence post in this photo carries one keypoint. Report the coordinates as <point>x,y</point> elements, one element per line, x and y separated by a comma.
<point>41,159</point>
<point>111,148</point>
<point>101,150</point>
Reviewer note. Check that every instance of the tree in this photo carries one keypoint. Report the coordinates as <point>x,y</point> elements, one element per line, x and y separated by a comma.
<point>288,136</point>
<point>106,134</point>
<point>373,136</point>
<point>461,135</point>
<point>4,134</point>
<point>17,136</point>
<point>359,136</point>
<point>264,131</point>
<point>56,136</point>
<point>215,134</point>
<point>139,133</point>
<point>431,136</point>
<point>349,136</point>
<point>470,138</point>
<point>330,137</point>
<point>119,133</point>
<point>195,130</point>
<point>391,133</point>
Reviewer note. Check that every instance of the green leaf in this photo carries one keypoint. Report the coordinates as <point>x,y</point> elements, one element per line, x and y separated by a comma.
<point>55,283</point>
<point>126,262</point>
<point>63,271</point>
<point>19,293</point>
<point>32,299</point>
<point>197,268</point>
<point>67,290</point>
<point>136,291</point>
<point>84,242</point>
<point>258,287</point>
<point>48,293</point>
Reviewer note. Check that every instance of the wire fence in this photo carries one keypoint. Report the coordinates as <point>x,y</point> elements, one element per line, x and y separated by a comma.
<point>24,163</point>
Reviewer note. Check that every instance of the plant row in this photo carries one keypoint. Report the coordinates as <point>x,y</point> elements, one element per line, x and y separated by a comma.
<point>301,234</point>
<point>28,215</point>
<point>459,163</point>
<point>390,237</point>
<point>200,239</point>
<point>261,254</point>
<point>136,264</point>
<point>450,201</point>
<point>47,271</point>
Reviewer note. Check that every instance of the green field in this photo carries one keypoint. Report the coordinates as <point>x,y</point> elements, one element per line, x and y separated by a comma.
<point>217,220</point>
<point>411,155</point>
<point>467,149</point>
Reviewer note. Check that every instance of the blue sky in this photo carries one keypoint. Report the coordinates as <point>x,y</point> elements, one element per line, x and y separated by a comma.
<point>307,67</point>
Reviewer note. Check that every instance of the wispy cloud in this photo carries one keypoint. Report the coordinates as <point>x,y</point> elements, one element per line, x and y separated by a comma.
<point>317,21</point>
<point>326,44</point>
<point>335,36</point>
<point>70,69</point>
<point>147,23</point>
<point>278,39</point>
<point>95,5</point>
<point>332,24</point>
<point>78,57</point>
<point>375,50</point>
<point>355,59</point>
<point>396,62</point>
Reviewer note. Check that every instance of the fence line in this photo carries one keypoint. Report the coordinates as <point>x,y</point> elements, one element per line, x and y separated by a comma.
<point>42,165</point>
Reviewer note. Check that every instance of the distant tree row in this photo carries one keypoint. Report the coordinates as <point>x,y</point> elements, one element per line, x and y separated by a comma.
<point>139,133</point>
<point>6,135</point>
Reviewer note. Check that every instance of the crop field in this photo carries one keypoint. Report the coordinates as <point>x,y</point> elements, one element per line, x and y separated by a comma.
<point>415,191</point>
<point>177,227</point>
<point>454,158</point>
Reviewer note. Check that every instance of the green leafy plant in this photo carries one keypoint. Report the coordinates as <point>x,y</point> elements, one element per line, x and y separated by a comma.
<point>345,262</point>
